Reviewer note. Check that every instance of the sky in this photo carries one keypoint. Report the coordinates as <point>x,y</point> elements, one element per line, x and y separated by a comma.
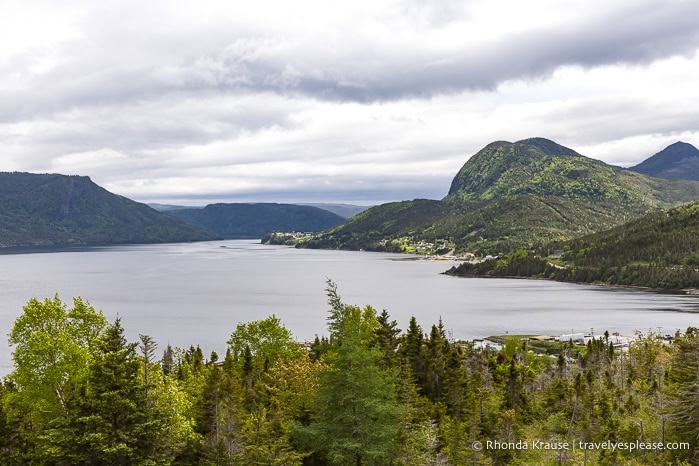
<point>361,102</point>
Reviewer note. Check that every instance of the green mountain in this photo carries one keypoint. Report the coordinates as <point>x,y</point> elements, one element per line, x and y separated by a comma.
<point>511,195</point>
<point>658,250</point>
<point>168,207</point>
<point>256,220</point>
<point>59,210</point>
<point>343,210</point>
<point>679,161</point>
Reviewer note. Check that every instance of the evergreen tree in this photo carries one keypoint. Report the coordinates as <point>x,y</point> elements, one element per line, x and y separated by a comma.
<point>218,413</point>
<point>356,402</point>
<point>147,347</point>
<point>386,339</point>
<point>167,363</point>
<point>412,351</point>
<point>437,354</point>
<point>114,425</point>
<point>684,380</point>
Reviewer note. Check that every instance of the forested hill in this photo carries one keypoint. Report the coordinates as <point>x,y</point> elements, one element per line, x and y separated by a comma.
<point>511,195</point>
<point>679,161</point>
<point>659,250</point>
<point>60,210</point>
<point>255,220</point>
<point>343,210</point>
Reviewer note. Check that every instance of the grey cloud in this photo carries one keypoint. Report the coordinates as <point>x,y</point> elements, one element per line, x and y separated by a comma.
<point>636,35</point>
<point>355,70</point>
<point>599,120</point>
<point>378,190</point>
<point>153,125</point>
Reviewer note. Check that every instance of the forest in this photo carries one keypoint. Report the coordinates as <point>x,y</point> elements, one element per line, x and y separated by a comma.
<point>367,393</point>
<point>659,251</point>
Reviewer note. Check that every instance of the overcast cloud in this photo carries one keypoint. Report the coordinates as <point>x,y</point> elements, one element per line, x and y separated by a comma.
<point>314,101</point>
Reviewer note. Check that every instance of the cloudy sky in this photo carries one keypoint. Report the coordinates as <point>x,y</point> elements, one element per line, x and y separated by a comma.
<point>319,101</point>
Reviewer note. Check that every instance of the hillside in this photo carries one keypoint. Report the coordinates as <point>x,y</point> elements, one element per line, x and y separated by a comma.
<point>511,195</point>
<point>59,210</point>
<point>256,220</point>
<point>343,210</point>
<point>679,161</point>
<point>168,207</point>
<point>658,250</point>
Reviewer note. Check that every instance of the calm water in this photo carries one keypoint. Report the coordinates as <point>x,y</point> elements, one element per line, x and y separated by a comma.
<point>189,294</point>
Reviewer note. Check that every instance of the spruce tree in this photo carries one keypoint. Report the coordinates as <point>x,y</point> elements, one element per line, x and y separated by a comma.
<point>356,402</point>
<point>114,425</point>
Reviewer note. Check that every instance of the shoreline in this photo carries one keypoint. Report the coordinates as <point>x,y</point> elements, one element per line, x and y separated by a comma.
<point>678,291</point>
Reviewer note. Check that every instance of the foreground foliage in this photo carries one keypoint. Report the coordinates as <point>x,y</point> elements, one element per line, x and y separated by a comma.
<point>366,394</point>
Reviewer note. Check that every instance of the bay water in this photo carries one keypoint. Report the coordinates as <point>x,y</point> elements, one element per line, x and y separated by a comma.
<point>196,293</point>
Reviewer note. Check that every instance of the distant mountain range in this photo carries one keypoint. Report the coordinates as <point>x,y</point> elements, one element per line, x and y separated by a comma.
<point>168,207</point>
<point>506,196</point>
<point>679,161</point>
<point>343,210</point>
<point>511,195</point>
<point>59,210</point>
<point>38,210</point>
<point>255,220</point>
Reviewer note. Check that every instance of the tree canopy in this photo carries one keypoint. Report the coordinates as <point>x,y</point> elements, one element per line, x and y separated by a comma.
<point>365,394</point>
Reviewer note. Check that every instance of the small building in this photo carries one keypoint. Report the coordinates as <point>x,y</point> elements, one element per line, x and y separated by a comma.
<point>578,338</point>
<point>486,345</point>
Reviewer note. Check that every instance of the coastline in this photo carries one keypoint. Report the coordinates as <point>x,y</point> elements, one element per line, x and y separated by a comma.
<point>678,291</point>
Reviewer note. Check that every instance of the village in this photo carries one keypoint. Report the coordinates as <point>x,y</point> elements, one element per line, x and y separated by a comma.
<point>549,345</point>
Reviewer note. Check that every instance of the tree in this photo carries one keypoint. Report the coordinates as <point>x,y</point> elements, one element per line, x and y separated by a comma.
<point>412,351</point>
<point>147,347</point>
<point>267,340</point>
<point>115,425</point>
<point>53,348</point>
<point>684,380</point>
<point>386,339</point>
<point>437,352</point>
<point>167,363</point>
<point>219,413</point>
<point>356,402</point>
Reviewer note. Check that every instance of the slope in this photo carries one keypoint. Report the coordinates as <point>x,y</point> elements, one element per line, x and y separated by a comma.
<point>511,195</point>
<point>255,220</point>
<point>59,210</point>
<point>679,161</point>
<point>659,250</point>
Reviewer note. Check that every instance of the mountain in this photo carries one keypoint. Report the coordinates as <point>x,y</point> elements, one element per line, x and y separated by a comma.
<point>343,210</point>
<point>169,207</point>
<point>659,250</point>
<point>256,220</point>
<point>511,195</point>
<point>60,210</point>
<point>679,161</point>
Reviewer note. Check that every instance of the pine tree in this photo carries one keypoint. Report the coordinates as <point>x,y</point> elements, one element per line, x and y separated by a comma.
<point>684,384</point>
<point>218,415</point>
<point>168,362</point>
<point>356,402</point>
<point>437,352</point>
<point>114,425</point>
<point>412,351</point>
<point>386,339</point>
